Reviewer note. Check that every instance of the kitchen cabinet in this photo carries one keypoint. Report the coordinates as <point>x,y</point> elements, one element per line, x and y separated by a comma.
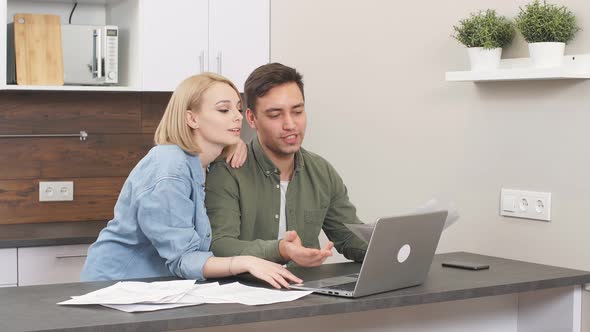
<point>122,13</point>
<point>174,42</point>
<point>51,265</point>
<point>187,37</point>
<point>162,42</point>
<point>239,37</point>
<point>8,267</point>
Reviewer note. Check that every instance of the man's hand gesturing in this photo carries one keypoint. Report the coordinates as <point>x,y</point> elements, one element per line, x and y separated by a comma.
<point>291,249</point>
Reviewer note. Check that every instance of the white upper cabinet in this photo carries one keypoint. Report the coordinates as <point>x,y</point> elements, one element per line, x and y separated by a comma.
<point>122,13</point>
<point>186,37</point>
<point>160,43</point>
<point>239,37</point>
<point>175,36</point>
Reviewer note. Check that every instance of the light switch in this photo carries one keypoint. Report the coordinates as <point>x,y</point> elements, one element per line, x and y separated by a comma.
<point>509,203</point>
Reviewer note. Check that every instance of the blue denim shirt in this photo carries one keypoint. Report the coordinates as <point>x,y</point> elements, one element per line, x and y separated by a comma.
<point>160,226</point>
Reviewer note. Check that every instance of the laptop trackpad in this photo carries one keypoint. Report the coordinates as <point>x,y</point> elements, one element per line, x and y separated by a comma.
<point>331,281</point>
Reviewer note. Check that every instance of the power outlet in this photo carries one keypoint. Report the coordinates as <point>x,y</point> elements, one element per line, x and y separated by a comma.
<point>55,191</point>
<point>525,204</point>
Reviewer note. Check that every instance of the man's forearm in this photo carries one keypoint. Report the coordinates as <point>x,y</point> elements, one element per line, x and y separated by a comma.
<point>349,245</point>
<point>266,249</point>
<point>355,254</point>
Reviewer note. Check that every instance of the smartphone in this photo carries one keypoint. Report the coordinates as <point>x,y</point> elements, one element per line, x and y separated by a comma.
<point>466,265</point>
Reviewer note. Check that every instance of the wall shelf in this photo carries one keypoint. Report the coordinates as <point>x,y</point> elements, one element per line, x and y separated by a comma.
<point>573,67</point>
<point>69,88</point>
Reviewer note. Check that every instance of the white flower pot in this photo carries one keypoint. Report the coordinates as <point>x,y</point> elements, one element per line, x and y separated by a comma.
<point>482,59</point>
<point>546,54</point>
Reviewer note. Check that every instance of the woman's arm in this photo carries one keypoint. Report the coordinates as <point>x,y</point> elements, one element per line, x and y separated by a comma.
<point>273,273</point>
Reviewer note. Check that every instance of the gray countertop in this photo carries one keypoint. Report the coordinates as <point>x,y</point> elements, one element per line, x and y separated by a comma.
<point>33,308</point>
<point>49,234</point>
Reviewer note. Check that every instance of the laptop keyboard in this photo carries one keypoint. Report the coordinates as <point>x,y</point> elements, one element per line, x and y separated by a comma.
<point>345,287</point>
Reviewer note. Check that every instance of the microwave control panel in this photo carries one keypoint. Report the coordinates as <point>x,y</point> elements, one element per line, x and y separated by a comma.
<point>111,54</point>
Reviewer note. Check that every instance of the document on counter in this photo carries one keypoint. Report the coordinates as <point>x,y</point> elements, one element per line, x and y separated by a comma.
<point>248,295</point>
<point>131,292</point>
<point>132,296</point>
<point>365,231</point>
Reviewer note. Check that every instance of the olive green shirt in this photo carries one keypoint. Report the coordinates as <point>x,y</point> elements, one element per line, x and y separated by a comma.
<point>243,205</point>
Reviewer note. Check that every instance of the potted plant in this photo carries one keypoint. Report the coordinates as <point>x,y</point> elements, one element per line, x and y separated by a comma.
<point>484,34</point>
<point>547,28</point>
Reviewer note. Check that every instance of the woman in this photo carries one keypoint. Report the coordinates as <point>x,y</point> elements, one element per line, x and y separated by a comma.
<point>160,226</point>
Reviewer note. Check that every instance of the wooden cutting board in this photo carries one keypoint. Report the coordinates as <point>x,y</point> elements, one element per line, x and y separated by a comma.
<point>38,52</point>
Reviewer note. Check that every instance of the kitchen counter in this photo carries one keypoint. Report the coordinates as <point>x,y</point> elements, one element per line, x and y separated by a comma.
<point>49,234</point>
<point>34,309</point>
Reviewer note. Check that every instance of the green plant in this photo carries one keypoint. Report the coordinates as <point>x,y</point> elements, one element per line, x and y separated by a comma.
<point>485,29</point>
<point>543,22</point>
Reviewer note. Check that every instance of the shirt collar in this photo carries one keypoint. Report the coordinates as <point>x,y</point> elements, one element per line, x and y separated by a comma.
<point>266,165</point>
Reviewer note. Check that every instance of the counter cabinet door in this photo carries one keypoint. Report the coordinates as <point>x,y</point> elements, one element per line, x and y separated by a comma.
<point>51,265</point>
<point>8,272</point>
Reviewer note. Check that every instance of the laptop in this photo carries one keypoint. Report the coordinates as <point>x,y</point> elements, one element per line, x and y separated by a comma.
<point>399,255</point>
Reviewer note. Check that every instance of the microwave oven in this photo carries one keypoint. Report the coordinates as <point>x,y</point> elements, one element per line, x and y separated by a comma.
<point>90,54</point>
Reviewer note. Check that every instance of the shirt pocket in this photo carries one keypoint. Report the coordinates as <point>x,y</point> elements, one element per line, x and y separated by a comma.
<point>313,221</point>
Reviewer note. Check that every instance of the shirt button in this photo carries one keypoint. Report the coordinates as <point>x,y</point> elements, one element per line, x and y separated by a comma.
<point>278,186</point>
<point>276,216</point>
<point>267,172</point>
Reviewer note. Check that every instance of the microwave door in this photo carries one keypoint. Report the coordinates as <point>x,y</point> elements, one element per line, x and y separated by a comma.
<point>79,55</point>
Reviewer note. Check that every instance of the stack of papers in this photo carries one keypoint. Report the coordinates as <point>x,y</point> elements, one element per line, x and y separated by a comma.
<point>134,296</point>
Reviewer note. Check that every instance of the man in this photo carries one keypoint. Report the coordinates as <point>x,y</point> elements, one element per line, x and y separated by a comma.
<point>275,205</point>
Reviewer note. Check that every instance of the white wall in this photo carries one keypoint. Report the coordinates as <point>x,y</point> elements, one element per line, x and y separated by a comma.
<point>380,111</point>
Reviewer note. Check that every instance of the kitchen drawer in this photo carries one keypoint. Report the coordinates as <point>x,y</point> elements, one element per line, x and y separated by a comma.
<point>8,275</point>
<point>51,265</point>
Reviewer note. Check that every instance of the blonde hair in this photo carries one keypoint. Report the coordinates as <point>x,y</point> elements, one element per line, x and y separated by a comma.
<point>173,128</point>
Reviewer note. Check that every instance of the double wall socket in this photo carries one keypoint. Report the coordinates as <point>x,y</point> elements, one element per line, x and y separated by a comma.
<point>525,204</point>
<point>52,191</point>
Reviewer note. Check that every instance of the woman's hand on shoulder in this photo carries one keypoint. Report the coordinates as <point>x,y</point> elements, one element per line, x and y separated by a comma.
<point>236,154</point>
<point>274,274</point>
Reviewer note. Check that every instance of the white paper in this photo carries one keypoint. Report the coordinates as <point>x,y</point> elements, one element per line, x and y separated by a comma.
<point>132,292</point>
<point>187,300</point>
<point>147,307</point>
<point>434,205</point>
<point>365,231</point>
<point>248,295</point>
<point>130,296</point>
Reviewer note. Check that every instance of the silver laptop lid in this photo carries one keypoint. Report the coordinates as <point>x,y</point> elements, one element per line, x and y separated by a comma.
<point>400,252</point>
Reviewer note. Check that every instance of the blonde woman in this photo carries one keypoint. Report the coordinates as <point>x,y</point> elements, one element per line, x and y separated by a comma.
<point>160,226</point>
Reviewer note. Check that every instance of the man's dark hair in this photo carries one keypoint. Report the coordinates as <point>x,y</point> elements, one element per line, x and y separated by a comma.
<point>266,77</point>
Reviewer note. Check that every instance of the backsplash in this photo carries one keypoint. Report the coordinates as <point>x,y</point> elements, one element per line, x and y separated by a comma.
<point>120,128</point>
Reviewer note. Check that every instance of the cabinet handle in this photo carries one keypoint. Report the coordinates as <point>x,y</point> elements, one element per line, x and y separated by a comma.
<point>83,135</point>
<point>70,256</point>
<point>219,55</point>
<point>202,61</point>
